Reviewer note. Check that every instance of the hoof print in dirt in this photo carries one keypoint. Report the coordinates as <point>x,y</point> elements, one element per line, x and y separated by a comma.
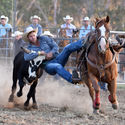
<point>63,109</point>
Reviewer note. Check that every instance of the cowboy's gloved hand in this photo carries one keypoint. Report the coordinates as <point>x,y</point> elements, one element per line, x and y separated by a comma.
<point>49,56</point>
<point>41,53</point>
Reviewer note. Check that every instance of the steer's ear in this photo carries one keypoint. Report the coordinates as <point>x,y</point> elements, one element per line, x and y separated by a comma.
<point>25,50</point>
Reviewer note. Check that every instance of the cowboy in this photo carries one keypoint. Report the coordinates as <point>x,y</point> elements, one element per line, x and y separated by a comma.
<point>35,24</point>
<point>19,42</point>
<point>54,62</point>
<point>69,27</point>
<point>5,28</point>
<point>86,28</point>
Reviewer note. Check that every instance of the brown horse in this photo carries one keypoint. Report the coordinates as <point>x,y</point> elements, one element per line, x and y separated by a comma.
<point>63,35</point>
<point>66,40</point>
<point>99,64</point>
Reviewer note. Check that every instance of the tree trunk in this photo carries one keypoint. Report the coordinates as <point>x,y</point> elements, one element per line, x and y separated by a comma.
<point>27,8</point>
<point>55,10</point>
<point>42,12</point>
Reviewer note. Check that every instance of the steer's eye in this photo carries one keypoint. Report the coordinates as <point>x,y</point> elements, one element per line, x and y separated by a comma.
<point>37,63</point>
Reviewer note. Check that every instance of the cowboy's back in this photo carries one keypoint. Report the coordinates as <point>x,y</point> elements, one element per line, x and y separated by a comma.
<point>46,44</point>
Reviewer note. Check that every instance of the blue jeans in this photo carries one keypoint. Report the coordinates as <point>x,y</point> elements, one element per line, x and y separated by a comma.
<point>57,65</point>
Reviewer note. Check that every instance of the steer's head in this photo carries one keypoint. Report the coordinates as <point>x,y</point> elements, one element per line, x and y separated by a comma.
<point>33,67</point>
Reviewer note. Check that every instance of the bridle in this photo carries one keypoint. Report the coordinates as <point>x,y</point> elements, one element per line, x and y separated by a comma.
<point>98,38</point>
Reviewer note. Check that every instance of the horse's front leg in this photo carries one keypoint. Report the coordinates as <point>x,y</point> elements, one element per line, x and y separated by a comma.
<point>112,97</point>
<point>89,85</point>
<point>96,102</point>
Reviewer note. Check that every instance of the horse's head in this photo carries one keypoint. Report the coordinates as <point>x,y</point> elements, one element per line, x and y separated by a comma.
<point>62,32</point>
<point>102,33</point>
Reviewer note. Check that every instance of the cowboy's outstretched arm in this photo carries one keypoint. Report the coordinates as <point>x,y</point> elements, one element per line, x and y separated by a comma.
<point>30,56</point>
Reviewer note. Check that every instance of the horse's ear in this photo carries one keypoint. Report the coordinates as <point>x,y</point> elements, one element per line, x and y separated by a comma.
<point>107,19</point>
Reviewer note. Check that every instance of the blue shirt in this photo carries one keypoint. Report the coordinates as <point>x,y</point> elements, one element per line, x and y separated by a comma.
<point>4,29</point>
<point>83,32</point>
<point>68,31</point>
<point>38,26</point>
<point>47,44</point>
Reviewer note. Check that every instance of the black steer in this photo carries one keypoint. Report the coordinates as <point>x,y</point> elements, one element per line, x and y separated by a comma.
<point>26,72</point>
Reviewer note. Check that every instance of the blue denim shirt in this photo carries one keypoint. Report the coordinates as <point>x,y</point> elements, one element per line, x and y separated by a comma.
<point>5,29</point>
<point>38,26</point>
<point>47,44</point>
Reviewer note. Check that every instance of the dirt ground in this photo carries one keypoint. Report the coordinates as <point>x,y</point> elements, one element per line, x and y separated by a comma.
<point>59,104</point>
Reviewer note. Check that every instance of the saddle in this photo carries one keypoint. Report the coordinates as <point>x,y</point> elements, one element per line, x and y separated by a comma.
<point>81,60</point>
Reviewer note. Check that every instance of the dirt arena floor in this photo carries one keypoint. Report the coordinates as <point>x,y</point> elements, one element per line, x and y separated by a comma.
<point>59,104</point>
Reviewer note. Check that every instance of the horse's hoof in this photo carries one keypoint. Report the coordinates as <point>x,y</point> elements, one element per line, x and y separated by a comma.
<point>19,94</point>
<point>11,98</point>
<point>96,111</point>
<point>34,106</point>
<point>115,106</point>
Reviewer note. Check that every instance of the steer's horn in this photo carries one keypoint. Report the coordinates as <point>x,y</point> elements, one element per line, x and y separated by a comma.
<point>25,50</point>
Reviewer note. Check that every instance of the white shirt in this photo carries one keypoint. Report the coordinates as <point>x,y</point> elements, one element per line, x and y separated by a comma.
<point>68,31</point>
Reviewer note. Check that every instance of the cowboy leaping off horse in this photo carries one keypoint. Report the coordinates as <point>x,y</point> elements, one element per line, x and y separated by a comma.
<point>54,62</point>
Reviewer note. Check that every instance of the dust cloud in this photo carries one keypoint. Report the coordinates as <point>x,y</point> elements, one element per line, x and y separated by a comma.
<point>49,91</point>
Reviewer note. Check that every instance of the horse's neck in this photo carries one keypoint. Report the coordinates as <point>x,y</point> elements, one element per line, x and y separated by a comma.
<point>98,58</point>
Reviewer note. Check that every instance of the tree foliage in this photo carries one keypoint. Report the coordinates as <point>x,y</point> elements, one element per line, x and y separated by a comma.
<point>6,8</point>
<point>52,15</point>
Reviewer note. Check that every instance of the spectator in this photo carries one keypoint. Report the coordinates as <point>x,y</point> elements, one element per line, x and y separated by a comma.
<point>18,43</point>
<point>35,24</point>
<point>69,27</point>
<point>5,28</point>
<point>86,28</point>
